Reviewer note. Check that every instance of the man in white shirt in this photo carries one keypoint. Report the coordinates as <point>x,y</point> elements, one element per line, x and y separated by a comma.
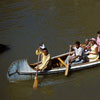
<point>76,56</point>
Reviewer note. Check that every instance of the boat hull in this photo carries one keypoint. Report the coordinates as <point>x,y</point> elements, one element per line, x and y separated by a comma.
<point>28,73</point>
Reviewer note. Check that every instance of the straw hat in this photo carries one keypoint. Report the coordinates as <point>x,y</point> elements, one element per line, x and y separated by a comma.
<point>93,39</point>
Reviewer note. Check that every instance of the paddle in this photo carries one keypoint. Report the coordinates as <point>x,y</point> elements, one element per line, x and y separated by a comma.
<point>35,84</point>
<point>67,69</point>
<point>66,65</point>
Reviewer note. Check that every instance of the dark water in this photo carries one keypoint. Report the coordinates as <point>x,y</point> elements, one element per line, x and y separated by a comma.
<point>26,23</point>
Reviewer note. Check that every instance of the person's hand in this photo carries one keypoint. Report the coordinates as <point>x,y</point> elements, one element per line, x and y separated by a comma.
<point>39,49</point>
<point>71,59</point>
<point>88,53</point>
<point>70,46</point>
<point>71,53</point>
<point>37,69</point>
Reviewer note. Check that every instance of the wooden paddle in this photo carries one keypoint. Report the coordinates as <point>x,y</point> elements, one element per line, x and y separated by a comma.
<point>66,65</point>
<point>35,84</point>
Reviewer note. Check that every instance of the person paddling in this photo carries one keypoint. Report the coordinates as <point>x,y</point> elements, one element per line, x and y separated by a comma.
<point>45,58</point>
<point>76,56</point>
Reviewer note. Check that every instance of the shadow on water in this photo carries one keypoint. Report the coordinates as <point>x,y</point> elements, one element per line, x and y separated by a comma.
<point>46,88</point>
<point>3,48</point>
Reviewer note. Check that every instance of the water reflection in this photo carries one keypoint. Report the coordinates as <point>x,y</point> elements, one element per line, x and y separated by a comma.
<point>50,86</point>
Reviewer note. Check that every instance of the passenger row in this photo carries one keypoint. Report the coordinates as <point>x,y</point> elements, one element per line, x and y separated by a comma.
<point>79,53</point>
<point>88,52</point>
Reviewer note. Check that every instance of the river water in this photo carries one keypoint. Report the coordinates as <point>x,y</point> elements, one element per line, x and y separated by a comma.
<point>26,23</point>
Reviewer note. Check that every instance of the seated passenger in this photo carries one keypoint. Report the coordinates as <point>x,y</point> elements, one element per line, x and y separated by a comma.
<point>98,42</point>
<point>45,58</point>
<point>87,45</point>
<point>76,56</point>
<point>93,54</point>
<point>86,49</point>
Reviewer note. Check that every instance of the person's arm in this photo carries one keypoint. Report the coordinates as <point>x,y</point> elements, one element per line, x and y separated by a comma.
<point>89,48</point>
<point>73,58</point>
<point>97,41</point>
<point>96,51</point>
<point>71,48</point>
<point>79,54</point>
<point>38,51</point>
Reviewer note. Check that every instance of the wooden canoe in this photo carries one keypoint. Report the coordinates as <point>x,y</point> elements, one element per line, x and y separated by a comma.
<point>21,70</point>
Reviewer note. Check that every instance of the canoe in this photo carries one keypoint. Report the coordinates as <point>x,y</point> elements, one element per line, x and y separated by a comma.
<point>21,70</point>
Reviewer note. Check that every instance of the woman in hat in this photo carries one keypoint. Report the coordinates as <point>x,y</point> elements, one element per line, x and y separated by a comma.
<point>93,54</point>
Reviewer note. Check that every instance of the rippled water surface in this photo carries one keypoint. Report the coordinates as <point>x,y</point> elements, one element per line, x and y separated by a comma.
<point>26,23</point>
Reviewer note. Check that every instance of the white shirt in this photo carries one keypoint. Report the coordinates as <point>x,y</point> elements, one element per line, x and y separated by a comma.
<point>78,51</point>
